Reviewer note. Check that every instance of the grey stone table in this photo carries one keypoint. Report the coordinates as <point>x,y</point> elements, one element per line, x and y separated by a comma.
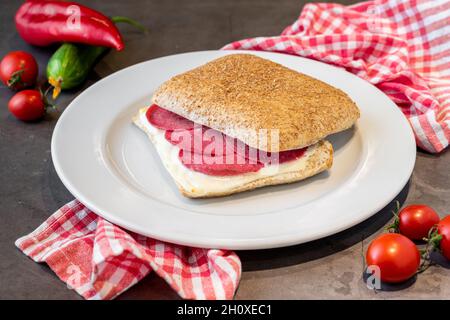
<point>30,189</point>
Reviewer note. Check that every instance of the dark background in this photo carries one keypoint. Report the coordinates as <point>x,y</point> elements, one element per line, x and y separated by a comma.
<point>30,189</point>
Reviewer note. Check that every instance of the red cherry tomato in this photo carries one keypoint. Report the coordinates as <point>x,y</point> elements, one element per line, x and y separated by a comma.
<point>27,105</point>
<point>395,255</point>
<point>415,221</point>
<point>18,70</point>
<point>443,228</point>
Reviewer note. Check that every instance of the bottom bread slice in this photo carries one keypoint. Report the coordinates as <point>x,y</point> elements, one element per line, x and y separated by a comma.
<point>317,158</point>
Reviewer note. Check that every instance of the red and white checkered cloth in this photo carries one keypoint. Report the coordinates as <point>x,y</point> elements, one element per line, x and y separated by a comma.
<point>401,46</point>
<point>100,260</point>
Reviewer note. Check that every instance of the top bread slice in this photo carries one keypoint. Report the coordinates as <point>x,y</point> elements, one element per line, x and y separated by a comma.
<point>240,94</point>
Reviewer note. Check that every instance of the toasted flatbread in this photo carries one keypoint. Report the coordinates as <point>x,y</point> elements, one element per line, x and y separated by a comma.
<point>239,94</point>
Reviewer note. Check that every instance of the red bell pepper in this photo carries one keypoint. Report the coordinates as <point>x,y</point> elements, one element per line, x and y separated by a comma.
<point>42,23</point>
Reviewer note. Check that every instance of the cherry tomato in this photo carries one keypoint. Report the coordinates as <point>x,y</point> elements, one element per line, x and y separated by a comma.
<point>395,255</point>
<point>27,105</point>
<point>444,230</point>
<point>415,221</point>
<point>18,70</point>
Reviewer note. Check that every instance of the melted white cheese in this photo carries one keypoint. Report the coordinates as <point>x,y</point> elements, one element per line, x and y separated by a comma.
<point>201,183</point>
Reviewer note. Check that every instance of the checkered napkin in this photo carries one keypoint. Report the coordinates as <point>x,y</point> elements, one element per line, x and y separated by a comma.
<point>100,260</point>
<point>401,46</point>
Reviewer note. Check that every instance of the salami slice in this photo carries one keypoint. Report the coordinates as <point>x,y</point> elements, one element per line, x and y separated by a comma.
<point>246,151</point>
<point>218,165</point>
<point>268,157</point>
<point>291,155</point>
<point>201,140</point>
<point>166,120</point>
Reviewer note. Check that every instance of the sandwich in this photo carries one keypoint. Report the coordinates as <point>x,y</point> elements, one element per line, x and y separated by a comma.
<point>242,122</point>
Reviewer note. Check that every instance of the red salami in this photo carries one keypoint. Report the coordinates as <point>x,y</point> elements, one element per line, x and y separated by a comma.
<point>246,151</point>
<point>166,120</point>
<point>218,165</point>
<point>209,151</point>
<point>268,157</point>
<point>291,155</point>
<point>201,140</point>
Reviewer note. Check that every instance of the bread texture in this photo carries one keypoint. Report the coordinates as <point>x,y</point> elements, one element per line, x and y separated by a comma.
<point>240,94</point>
<point>318,158</point>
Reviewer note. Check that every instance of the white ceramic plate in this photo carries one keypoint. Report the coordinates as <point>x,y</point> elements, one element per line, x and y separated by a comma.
<point>111,166</point>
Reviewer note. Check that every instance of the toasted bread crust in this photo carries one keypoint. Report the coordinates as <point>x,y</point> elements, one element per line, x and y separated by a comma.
<point>240,94</point>
<point>320,160</point>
